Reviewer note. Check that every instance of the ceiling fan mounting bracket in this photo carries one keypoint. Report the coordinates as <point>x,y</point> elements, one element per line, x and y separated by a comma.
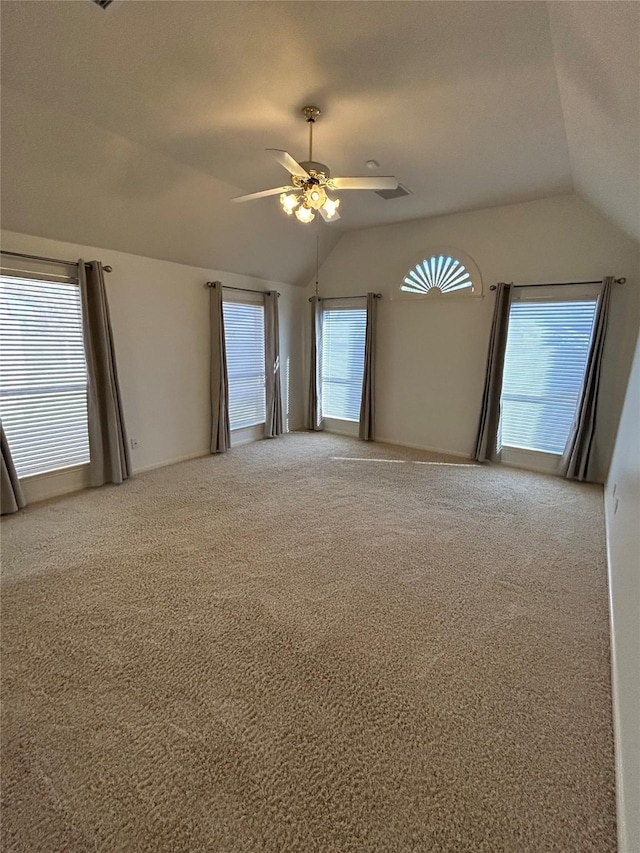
<point>311,113</point>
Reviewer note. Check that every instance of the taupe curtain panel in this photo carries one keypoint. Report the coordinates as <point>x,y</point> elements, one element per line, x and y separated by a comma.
<point>488,442</point>
<point>11,497</point>
<point>108,445</point>
<point>220,429</point>
<point>367,406</point>
<point>577,455</point>
<point>273,422</point>
<point>314,411</point>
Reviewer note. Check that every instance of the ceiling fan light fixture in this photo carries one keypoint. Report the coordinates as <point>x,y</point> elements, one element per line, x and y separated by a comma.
<point>289,202</point>
<point>309,181</point>
<point>315,197</point>
<point>304,213</point>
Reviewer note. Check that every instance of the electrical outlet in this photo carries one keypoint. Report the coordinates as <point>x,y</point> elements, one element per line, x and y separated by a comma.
<point>133,442</point>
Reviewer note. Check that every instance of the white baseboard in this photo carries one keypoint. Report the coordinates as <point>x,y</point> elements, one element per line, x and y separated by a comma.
<point>175,461</point>
<point>42,487</point>
<point>455,453</point>
<point>57,483</point>
<point>622,807</point>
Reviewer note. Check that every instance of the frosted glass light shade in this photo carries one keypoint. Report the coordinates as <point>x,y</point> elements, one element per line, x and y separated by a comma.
<point>330,207</point>
<point>304,213</point>
<point>289,202</point>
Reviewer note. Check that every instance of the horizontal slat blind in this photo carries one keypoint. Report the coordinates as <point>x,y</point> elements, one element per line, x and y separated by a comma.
<point>244,338</point>
<point>547,348</point>
<point>343,337</point>
<point>43,376</point>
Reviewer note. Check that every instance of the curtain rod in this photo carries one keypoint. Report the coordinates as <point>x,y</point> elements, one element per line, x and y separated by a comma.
<point>49,260</point>
<point>557,283</point>
<point>243,289</point>
<point>362,296</point>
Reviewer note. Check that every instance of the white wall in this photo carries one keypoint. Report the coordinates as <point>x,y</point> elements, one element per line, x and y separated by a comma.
<point>159,313</point>
<point>431,355</point>
<point>622,510</point>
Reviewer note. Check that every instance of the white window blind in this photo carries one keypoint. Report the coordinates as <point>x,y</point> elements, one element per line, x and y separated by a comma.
<point>244,340</point>
<point>43,375</point>
<point>343,338</point>
<point>546,355</point>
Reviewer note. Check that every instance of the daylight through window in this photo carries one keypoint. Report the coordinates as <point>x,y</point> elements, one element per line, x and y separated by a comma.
<point>440,274</point>
<point>547,349</point>
<point>244,340</point>
<point>43,375</point>
<point>343,340</point>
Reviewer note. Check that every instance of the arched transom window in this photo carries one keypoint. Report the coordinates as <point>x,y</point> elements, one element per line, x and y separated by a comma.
<point>441,274</point>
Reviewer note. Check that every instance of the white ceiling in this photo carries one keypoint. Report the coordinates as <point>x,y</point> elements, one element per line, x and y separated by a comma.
<point>132,128</point>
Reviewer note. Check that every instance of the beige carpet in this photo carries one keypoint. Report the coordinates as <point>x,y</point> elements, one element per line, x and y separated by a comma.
<point>287,649</point>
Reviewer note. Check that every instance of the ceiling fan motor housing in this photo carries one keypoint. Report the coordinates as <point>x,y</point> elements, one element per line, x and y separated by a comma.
<point>316,169</point>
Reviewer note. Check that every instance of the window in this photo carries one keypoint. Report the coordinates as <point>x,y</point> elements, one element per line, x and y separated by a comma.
<point>343,337</point>
<point>443,273</point>
<point>43,375</point>
<point>546,355</point>
<point>244,340</point>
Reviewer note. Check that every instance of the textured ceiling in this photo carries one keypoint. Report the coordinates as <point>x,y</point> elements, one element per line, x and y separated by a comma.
<point>132,128</point>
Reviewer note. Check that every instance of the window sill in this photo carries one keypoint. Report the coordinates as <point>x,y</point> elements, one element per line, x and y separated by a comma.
<point>52,484</point>
<point>245,435</point>
<point>342,426</point>
<point>532,460</point>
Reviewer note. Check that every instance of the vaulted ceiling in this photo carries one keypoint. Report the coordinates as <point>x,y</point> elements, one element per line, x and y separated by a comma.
<point>131,128</point>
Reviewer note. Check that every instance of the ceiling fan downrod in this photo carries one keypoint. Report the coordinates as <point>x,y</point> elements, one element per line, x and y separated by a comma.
<point>311,114</point>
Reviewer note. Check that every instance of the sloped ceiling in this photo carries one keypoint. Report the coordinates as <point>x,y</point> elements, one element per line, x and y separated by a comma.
<point>597,55</point>
<point>132,128</point>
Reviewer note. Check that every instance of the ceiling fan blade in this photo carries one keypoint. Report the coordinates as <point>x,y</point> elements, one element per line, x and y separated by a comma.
<point>292,166</point>
<point>263,193</point>
<point>364,183</point>
<point>323,213</point>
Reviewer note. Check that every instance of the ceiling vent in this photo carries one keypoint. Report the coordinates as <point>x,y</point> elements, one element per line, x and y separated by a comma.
<point>399,192</point>
<point>103,3</point>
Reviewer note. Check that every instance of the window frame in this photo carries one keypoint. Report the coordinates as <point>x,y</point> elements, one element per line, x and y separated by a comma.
<point>348,426</point>
<point>540,460</point>
<point>435,296</point>
<point>74,471</point>
<point>250,432</point>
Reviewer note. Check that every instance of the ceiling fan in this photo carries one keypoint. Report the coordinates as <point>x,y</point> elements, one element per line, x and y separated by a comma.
<point>311,180</point>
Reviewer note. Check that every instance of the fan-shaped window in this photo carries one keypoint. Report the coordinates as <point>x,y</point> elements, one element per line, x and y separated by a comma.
<point>444,273</point>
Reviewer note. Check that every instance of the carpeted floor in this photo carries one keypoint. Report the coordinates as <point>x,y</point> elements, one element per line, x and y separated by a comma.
<point>309,644</point>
